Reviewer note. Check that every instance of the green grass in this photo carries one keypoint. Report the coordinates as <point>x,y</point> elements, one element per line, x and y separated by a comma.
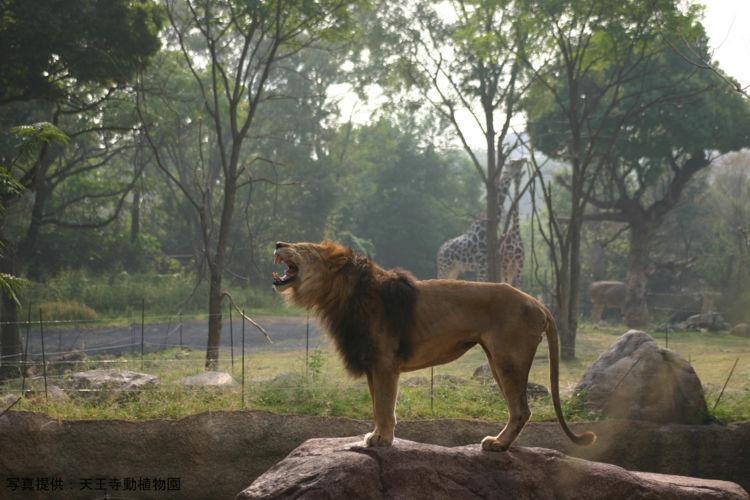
<point>326,389</point>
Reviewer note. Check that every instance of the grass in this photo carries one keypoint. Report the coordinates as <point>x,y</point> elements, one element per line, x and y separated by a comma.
<point>327,390</point>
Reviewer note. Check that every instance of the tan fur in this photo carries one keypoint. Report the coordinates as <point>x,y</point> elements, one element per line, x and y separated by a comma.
<point>449,318</point>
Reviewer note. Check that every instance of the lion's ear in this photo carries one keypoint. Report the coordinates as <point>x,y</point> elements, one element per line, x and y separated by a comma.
<point>334,255</point>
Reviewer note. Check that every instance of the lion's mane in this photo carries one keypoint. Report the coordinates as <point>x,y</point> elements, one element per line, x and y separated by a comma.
<point>370,299</point>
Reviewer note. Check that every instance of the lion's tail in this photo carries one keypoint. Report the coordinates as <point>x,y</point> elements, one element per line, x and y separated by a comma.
<point>585,438</point>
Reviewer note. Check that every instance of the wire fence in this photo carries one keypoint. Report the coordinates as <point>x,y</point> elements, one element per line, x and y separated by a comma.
<point>58,353</point>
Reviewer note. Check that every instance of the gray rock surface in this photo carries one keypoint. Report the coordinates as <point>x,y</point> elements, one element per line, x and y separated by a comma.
<point>342,468</point>
<point>536,390</point>
<point>209,379</point>
<point>740,330</point>
<point>636,379</point>
<point>6,400</point>
<point>711,321</point>
<point>55,393</point>
<point>111,380</point>
<point>415,382</point>
<point>483,374</point>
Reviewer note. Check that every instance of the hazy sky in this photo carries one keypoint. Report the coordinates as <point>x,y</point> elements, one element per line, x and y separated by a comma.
<point>728,25</point>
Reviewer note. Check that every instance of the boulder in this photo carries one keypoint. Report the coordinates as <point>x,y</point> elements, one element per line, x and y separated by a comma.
<point>6,400</point>
<point>111,380</point>
<point>711,321</point>
<point>209,379</point>
<point>483,374</point>
<point>638,380</point>
<point>535,391</point>
<point>56,394</point>
<point>342,468</point>
<point>740,330</point>
<point>415,382</point>
<point>445,379</point>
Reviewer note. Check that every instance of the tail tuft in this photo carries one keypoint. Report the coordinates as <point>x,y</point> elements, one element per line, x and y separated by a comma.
<point>585,439</point>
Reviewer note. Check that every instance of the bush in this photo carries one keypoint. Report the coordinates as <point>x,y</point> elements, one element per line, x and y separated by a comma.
<point>67,310</point>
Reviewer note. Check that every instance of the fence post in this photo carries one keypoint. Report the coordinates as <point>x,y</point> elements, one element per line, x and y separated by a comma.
<point>180,330</point>
<point>130,326</point>
<point>26,354</point>
<point>432,389</point>
<point>143,325</point>
<point>44,355</point>
<point>243,359</point>
<point>231,337</point>
<point>307,343</point>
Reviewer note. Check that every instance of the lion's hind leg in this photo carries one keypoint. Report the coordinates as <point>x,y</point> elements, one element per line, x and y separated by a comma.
<point>512,377</point>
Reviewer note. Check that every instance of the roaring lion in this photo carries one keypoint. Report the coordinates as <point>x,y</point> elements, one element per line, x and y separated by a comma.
<point>384,322</point>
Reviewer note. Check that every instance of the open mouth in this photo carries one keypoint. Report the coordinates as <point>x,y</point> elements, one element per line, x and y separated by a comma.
<point>289,275</point>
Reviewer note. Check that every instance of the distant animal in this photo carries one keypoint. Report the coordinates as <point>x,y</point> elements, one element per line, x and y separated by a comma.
<point>385,322</point>
<point>468,251</point>
<point>606,294</point>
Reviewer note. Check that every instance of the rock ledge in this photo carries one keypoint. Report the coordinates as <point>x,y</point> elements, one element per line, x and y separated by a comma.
<point>342,468</point>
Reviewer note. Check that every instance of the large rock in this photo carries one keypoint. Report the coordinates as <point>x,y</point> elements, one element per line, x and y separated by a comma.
<point>740,330</point>
<point>638,380</point>
<point>209,379</point>
<point>711,321</point>
<point>342,468</point>
<point>483,374</point>
<point>111,380</point>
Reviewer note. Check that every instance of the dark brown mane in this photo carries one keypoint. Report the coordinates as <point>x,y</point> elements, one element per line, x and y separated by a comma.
<point>353,319</point>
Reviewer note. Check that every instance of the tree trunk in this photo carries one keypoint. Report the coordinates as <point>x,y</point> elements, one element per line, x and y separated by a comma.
<point>135,214</point>
<point>493,267</point>
<point>216,270</point>
<point>566,327</point>
<point>636,307</point>
<point>214,319</point>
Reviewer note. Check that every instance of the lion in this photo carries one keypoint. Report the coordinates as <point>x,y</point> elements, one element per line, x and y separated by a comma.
<point>385,322</point>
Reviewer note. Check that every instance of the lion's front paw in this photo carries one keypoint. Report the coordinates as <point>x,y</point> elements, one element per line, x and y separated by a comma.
<point>374,439</point>
<point>491,443</point>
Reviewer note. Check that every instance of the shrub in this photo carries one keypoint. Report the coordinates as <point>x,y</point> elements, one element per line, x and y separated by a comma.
<point>67,310</point>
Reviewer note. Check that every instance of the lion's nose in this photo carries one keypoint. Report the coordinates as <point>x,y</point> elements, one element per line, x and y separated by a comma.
<point>280,244</point>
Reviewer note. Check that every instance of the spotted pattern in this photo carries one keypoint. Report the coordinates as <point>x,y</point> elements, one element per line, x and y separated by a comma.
<point>468,251</point>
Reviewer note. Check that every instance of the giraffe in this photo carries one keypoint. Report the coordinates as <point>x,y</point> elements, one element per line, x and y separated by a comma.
<point>512,253</point>
<point>468,252</point>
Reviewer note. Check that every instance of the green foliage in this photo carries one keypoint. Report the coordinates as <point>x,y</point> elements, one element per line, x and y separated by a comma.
<point>48,43</point>
<point>64,310</point>
<point>117,294</point>
<point>316,362</point>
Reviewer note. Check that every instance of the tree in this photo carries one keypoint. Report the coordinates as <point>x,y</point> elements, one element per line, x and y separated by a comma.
<point>659,149</point>
<point>63,62</point>
<point>466,63</point>
<point>578,106</point>
<point>655,159</point>
<point>233,49</point>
